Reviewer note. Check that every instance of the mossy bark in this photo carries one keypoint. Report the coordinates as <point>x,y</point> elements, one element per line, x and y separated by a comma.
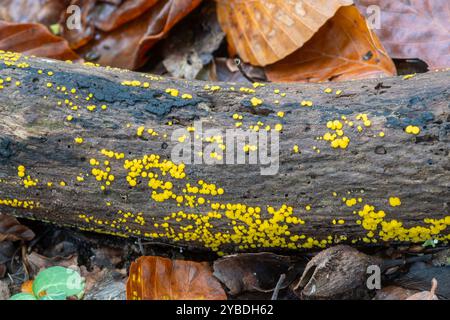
<point>35,133</point>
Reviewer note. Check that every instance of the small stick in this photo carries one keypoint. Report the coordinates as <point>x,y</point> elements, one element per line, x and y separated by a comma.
<point>238,63</point>
<point>278,287</point>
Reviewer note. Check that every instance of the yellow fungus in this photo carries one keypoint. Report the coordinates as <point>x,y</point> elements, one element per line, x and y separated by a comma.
<point>394,201</point>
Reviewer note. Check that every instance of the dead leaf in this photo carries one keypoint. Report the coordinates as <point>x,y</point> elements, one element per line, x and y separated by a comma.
<point>27,287</point>
<point>157,278</point>
<point>46,12</point>
<point>11,229</point>
<point>420,275</point>
<point>255,272</point>
<point>226,70</point>
<point>191,44</point>
<point>343,49</point>
<point>127,45</point>
<point>34,39</point>
<point>78,37</point>
<point>93,276</point>
<point>393,293</point>
<point>2,270</point>
<point>104,284</point>
<point>110,16</point>
<point>39,262</point>
<point>4,290</point>
<point>414,29</point>
<point>339,272</point>
<point>107,256</point>
<point>426,295</point>
<point>7,251</point>
<point>262,32</point>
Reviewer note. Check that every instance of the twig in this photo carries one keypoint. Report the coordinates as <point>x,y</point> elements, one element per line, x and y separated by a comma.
<point>141,247</point>
<point>238,63</point>
<point>278,287</point>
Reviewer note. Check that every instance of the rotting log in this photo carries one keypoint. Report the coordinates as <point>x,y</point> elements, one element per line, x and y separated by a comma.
<point>372,189</point>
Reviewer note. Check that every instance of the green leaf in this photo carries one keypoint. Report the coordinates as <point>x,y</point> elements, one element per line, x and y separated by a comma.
<point>429,243</point>
<point>54,295</point>
<point>54,280</point>
<point>23,296</point>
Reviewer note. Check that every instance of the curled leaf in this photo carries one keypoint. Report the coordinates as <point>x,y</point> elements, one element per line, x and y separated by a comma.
<point>255,271</point>
<point>413,29</point>
<point>126,45</point>
<point>262,32</point>
<point>46,12</point>
<point>426,295</point>
<point>343,49</point>
<point>12,230</point>
<point>34,39</point>
<point>157,278</point>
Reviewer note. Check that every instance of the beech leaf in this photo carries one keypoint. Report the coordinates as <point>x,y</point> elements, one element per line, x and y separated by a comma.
<point>343,49</point>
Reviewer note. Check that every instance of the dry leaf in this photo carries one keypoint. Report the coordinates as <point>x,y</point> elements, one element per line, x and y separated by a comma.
<point>426,295</point>
<point>7,252</point>
<point>39,262</point>
<point>12,230</point>
<point>255,271</point>
<point>414,29</point>
<point>110,16</point>
<point>262,32</point>
<point>339,272</point>
<point>27,287</point>
<point>420,275</point>
<point>343,49</point>
<point>226,70</point>
<point>34,39</point>
<point>127,45</point>
<point>393,293</point>
<point>46,12</point>
<point>104,284</point>
<point>191,45</point>
<point>4,290</point>
<point>2,270</point>
<point>157,278</point>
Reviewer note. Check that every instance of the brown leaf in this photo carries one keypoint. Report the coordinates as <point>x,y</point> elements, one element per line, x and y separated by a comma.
<point>127,45</point>
<point>327,275</point>
<point>414,29</point>
<point>2,270</point>
<point>39,262</point>
<point>34,39</point>
<point>79,37</point>
<point>191,44</point>
<point>262,32</point>
<point>157,278</point>
<point>27,287</point>
<point>104,284</point>
<point>226,70</point>
<point>254,271</point>
<point>46,12</point>
<point>111,16</point>
<point>4,290</point>
<point>426,295</point>
<point>393,293</point>
<point>12,230</point>
<point>420,275</point>
<point>343,49</point>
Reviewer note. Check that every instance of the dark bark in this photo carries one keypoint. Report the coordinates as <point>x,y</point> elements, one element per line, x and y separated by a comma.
<point>35,133</point>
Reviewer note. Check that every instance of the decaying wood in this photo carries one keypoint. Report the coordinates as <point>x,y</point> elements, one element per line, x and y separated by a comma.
<point>35,134</point>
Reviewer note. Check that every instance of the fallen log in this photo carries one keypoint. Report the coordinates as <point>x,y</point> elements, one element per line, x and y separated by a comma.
<point>361,162</point>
